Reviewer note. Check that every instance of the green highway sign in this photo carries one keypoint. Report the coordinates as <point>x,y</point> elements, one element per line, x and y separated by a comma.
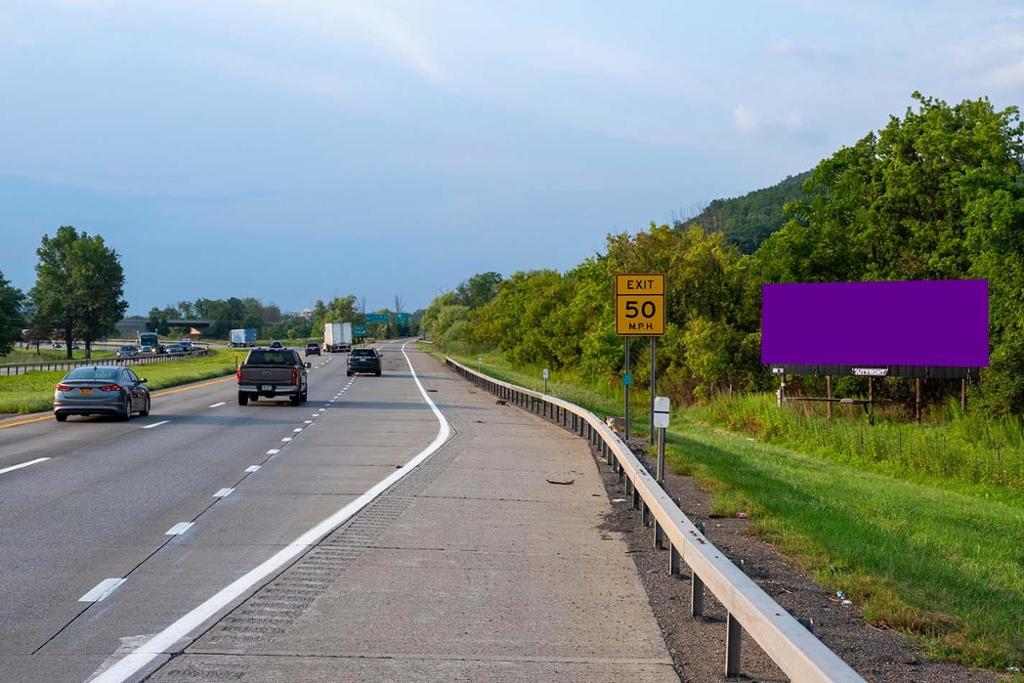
<point>402,318</point>
<point>359,330</point>
<point>376,318</point>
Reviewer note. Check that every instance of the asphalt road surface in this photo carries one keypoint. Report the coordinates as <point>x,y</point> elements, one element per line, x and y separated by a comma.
<point>110,531</point>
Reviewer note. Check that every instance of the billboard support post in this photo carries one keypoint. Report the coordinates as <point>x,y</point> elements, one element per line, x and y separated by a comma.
<point>917,399</point>
<point>963,393</point>
<point>828,393</point>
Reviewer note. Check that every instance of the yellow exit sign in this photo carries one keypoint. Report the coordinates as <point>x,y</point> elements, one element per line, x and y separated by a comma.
<point>640,304</point>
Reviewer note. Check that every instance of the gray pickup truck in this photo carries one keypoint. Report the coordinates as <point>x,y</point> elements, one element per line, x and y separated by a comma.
<point>270,373</point>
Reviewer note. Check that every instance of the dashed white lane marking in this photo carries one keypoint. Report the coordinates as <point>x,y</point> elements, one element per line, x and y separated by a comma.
<point>297,429</point>
<point>286,439</point>
<point>156,424</point>
<point>273,451</point>
<point>223,493</point>
<point>102,590</point>
<point>309,422</point>
<point>218,405</point>
<point>322,410</point>
<point>130,664</point>
<point>252,468</point>
<point>22,464</point>
<point>178,529</point>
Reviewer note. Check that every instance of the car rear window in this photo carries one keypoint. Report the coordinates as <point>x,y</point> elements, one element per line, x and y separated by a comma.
<point>270,357</point>
<point>362,352</point>
<point>93,373</point>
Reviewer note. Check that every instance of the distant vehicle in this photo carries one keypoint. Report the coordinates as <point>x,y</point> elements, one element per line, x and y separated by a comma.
<point>101,390</point>
<point>242,338</point>
<point>312,349</point>
<point>128,351</point>
<point>273,372</point>
<point>176,348</point>
<point>57,345</point>
<point>370,340</point>
<point>186,344</point>
<point>75,346</point>
<point>337,337</point>
<point>276,345</point>
<point>364,361</point>
<point>160,348</point>
<point>147,350</point>
<point>148,339</point>
<point>185,340</point>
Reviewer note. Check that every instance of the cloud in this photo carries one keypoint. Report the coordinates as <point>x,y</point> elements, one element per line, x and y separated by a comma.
<point>1008,75</point>
<point>744,119</point>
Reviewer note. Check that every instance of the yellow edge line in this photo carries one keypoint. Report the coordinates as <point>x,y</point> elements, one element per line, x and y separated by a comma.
<point>158,393</point>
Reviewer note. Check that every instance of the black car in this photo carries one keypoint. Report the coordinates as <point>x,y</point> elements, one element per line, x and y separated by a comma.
<point>364,360</point>
<point>312,349</point>
<point>276,345</point>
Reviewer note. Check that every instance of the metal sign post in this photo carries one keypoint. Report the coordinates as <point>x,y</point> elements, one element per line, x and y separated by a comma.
<point>660,412</point>
<point>639,312</point>
<point>654,343</point>
<point>545,380</point>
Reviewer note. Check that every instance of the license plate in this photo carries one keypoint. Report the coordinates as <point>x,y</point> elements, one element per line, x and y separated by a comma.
<point>266,387</point>
<point>85,392</point>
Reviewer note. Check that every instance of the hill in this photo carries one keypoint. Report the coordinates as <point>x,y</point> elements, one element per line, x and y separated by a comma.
<point>748,220</point>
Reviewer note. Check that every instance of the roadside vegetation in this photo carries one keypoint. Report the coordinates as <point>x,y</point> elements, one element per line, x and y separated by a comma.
<point>921,524</point>
<point>33,391</point>
<point>19,355</point>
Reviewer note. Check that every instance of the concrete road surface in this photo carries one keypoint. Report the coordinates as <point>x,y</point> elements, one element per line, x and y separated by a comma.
<point>135,542</point>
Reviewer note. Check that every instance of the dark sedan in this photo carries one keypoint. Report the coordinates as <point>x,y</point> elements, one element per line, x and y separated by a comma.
<point>101,390</point>
<point>312,349</point>
<point>364,361</point>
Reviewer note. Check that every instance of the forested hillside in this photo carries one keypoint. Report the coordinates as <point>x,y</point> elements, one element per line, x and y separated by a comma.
<point>936,194</point>
<point>748,220</point>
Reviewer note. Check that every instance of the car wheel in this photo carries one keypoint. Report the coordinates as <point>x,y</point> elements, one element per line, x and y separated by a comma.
<point>349,373</point>
<point>60,417</point>
<point>378,373</point>
<point>295,399</point>
<point>243,398</point>
<point>145,412</point>
<point>126,410</point>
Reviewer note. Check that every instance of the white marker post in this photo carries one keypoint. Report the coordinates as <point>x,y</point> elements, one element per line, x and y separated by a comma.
<point>545,373</point>
<point>661,412</point>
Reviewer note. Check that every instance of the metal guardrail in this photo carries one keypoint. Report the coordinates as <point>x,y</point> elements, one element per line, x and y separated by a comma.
<point>21,368</point>
<point>793,648</point>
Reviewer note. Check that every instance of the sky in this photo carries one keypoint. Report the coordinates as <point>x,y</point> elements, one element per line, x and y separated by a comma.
<point>301,149</point>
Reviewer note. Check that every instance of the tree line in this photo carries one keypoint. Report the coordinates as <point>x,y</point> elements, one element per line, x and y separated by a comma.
<point>936,194</point>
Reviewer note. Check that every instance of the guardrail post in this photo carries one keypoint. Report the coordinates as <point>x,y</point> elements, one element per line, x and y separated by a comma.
<point>733,640</point>
<point>635,493</point>
<point>657,535</point>
<point>645,513</point>
<point>673,560</point>
<point>696,595</point>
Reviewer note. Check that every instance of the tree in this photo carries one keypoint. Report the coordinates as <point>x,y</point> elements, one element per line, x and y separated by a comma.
<point>79,285</point>
<point>11,315</point>
<point>478,290</point>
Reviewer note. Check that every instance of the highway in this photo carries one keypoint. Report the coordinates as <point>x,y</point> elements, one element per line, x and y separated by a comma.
<point>116,529</point>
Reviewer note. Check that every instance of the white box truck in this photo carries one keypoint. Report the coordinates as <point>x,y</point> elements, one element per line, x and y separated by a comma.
<point>337,337</point>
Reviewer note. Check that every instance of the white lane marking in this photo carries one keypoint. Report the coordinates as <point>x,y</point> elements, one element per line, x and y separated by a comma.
<point>252,468</point>
<point>297,429</point>
<point>273,451</point>
<point>218,405</point>
<point>156,424</point>
<point>178,529</point>
<point>286,439</point>
<point>309,422</point>
<point>223,493</point>
<point>22,464</point>
<point>161,642</point>
<point>102,590</point>
<point>321,410</point>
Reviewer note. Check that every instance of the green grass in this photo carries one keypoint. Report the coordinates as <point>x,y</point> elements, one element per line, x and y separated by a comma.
<point>30,356</point>
<point>33,392</point>
<point>921,525</point>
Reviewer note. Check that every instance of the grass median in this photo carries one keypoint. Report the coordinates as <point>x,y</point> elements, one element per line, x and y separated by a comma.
<point>33,391</point>
<point>921,525</point>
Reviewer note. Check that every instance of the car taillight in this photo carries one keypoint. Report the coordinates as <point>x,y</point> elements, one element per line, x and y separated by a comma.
<point>111,387</point>
<point>62,387</point>
<point>295,375</point>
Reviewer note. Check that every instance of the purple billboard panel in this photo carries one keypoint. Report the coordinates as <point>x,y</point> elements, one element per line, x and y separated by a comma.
<point>919,323</point>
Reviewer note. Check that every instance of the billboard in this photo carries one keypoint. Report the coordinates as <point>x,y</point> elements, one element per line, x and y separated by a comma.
<point>922,323</point>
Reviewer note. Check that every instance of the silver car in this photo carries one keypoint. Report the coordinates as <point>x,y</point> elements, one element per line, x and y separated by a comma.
<point>101,390</point>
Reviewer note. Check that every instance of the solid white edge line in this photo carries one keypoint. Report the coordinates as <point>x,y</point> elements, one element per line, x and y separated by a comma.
<point>22,464</point>
<point>102,589</point>
<point>158,644</point>
<point>156,424</point>
<point>178,529</point>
